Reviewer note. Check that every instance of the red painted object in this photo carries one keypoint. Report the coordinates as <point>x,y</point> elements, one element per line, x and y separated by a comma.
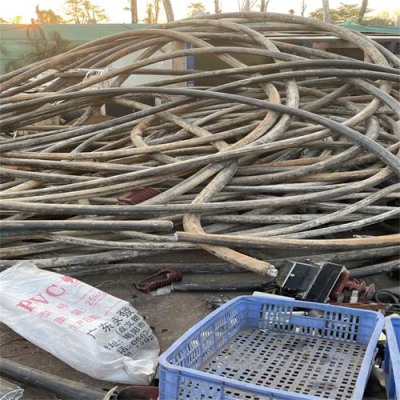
<point>346,282</point>
<point>138,196</point>
<point>159,279</point>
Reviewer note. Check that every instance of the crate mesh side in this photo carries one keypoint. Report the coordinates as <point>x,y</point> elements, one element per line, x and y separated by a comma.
<point>190,388</point>
<point>341,326</point>
<point>200,389</point>
<point>274,316</point>
<point>279,317</point>
<point>293,363</point>
<point>209,340</point>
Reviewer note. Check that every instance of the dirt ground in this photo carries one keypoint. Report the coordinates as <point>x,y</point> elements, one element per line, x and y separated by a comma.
<point>170,316</point>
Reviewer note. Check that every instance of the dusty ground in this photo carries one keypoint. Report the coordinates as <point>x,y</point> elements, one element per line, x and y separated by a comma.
<point>170,316</point>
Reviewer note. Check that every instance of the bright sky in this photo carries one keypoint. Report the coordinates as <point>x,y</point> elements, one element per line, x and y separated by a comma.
<point>116,14</point>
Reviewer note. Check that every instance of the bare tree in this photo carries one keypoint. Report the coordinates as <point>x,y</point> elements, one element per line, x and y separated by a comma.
<point>152,12</point>
<point>246,5</point>
<point>48,16</point>
<point>363,10</point>
<point>264,5</point>
<point>134,12</point>
<point>132,8</point>
<point>84,12</point>
<point>196,9</point>
<point>303,7</point>
<point>325,6</point>
<point>217,8</point>
<point>169,12</point>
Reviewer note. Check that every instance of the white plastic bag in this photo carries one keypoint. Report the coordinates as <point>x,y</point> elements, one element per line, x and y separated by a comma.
<point>92,331</point>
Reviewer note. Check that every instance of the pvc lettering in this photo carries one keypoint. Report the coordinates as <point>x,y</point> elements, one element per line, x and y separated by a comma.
<point>27,304</point>
<point>52,290</point>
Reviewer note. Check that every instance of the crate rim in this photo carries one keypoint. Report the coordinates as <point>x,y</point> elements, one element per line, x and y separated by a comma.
<point>394,347</point>
<point>364,370</point>
<point>190,373</point>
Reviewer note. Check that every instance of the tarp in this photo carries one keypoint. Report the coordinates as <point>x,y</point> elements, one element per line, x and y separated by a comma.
<point>15,43</point>
<point>383,30</point>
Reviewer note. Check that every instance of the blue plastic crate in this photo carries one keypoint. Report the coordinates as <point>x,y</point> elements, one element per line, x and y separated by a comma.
<point>260,348</point>
<point>392,358</point>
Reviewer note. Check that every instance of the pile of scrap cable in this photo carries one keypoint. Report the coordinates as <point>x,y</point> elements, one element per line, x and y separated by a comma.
<point>230,136</point>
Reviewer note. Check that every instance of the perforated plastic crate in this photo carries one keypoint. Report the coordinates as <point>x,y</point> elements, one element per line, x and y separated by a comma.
<point>261,348</point>
<point>392,358</point>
